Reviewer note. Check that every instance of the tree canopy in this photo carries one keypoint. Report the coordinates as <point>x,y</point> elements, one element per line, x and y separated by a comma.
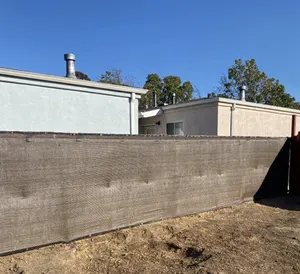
<point>82,76</point>
<point>260,88</point>
<point>112,77</point>
<point>115,77</point>
<point>186,91</point>
<point>153,84</point>
<point>164,89</point>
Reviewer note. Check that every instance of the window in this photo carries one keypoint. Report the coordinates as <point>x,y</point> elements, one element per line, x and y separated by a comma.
<point>175,128</point>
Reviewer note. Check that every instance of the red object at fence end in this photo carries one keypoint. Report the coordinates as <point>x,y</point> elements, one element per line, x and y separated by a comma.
<point>293,133</point>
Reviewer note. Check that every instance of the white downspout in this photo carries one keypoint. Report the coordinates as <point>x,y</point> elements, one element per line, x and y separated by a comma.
<point>132,114</point>
<point>232,120</point>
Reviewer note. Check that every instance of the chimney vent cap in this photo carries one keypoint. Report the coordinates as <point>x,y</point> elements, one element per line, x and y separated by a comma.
<point>69,56</point>
<point>244,87</point>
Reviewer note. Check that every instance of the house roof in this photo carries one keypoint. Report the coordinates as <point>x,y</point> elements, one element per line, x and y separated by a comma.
<point>161,110</point>
<point>68,81</point>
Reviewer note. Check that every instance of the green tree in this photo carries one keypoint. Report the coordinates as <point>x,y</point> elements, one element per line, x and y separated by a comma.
<point>172,84</point>
<point>82,76</point>
<point>153,84</point>
<point>112,77</point>
<point>165,89</point>
<point>260,88</point>
<point>186,91</point>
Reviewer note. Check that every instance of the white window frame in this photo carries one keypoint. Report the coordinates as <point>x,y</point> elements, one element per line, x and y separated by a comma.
<point>174,122</point>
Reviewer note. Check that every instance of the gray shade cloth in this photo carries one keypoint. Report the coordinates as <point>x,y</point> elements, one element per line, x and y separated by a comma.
<point>57,187</point>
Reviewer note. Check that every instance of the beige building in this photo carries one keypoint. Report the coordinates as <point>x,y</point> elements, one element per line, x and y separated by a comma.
<point>219,116</point>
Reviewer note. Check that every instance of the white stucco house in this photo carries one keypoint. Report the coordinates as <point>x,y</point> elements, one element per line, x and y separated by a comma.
<point>45,103</point>
<point>219,116</point>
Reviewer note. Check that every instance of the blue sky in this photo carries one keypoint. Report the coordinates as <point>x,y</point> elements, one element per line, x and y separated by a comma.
<point>195,39</point>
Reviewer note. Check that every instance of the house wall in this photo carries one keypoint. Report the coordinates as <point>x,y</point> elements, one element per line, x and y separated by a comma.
<point>255,121</point>
<point>30,105</point>
<point>224,112</point>
<point>197,120</point>
<point>150,123</point>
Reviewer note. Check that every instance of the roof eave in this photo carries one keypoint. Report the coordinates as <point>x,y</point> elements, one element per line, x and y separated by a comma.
<point>69,81</point>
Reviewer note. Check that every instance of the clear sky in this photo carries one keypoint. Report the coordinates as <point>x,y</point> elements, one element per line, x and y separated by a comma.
<point>194,39</point>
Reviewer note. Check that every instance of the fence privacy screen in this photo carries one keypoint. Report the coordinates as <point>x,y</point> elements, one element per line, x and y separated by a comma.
<point>59,187</point>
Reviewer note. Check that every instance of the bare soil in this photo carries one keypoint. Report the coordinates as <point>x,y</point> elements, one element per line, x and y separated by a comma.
<point>251,238</point>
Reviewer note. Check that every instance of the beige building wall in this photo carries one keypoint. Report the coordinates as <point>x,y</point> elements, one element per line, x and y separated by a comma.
<point>224,113</point>
<point>223,117</point>
<point>255,120</point>
<point>149,126</point>
<point>198,119</point>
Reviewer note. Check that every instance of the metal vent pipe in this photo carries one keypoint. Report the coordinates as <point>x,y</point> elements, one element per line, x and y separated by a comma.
<point>243,93</point>
<point>70,65</point>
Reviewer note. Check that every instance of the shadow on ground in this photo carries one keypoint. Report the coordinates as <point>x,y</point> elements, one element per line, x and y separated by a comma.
<point>284,202</point>
<point>275,183</point>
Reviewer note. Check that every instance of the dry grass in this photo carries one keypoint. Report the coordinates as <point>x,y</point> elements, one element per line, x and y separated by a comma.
<point>251,238</point>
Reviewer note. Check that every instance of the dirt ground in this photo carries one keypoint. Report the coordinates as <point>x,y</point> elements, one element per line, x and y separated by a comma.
<point>251,238</point>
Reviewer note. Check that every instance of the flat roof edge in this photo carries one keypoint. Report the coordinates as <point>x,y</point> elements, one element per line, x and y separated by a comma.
<point>256,105</point>
<point>68,81</point>
<point>151,113</point>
